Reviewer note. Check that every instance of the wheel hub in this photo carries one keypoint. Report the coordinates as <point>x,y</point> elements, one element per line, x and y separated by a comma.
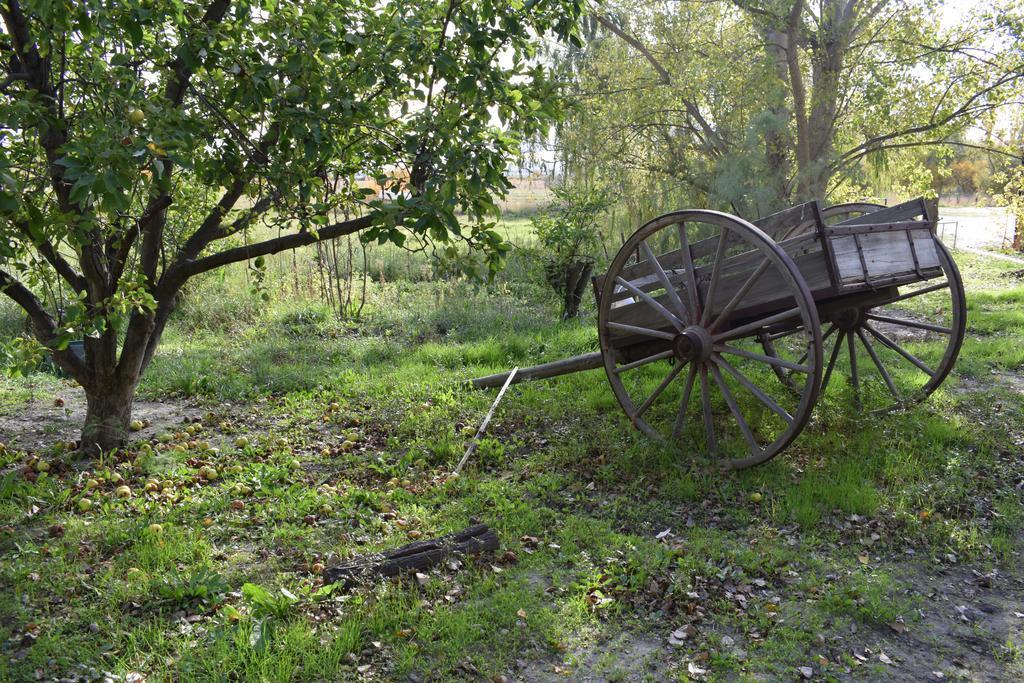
<point>849,319</point>
<point>692,344</point>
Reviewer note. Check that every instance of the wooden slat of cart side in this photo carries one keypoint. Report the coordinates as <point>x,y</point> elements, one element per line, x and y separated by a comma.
<point>875,255</point>
<point>907,211</point>
<point>784,224</point>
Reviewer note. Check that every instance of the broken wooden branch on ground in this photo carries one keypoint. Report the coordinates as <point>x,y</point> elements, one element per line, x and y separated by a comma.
<point>419,555</point>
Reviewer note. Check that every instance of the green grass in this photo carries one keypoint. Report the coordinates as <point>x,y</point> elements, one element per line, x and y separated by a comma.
<point>561,465</point>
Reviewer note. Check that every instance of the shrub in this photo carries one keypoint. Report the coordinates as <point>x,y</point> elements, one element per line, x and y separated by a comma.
<point>567,232</point>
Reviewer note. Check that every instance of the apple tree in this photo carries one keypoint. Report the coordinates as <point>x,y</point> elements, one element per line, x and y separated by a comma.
<point>143,141</point>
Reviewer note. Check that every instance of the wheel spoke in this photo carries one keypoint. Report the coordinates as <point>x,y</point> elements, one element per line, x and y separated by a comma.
<point>650,301</point>
<point>866,341</point>
<point>824,337</point>
<point>752,388</point>
<point>661,387</point>
<point>787,333</point>
<point>909,323</point>
<point>677,428</point>
<point>691,278</point>
<point>624,300</point>
<point>900,350</point>
<point>709,427</point>
<point>644,361</point>
<point>854,378</point>
<point>828,332</point>
<point>771,360</point>
<point>670,289</point>
<point>645,331</point>
<point>832,361</point>
<point>755,449</point>
<point>709,300</point>
<point>919,292</point>
<point>744,330</point>
<point>738,296</point>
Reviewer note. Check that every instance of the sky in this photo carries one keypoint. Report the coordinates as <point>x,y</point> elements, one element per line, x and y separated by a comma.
<point>953,10</point>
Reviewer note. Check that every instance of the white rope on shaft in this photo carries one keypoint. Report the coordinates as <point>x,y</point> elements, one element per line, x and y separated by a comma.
<point>487,419</point>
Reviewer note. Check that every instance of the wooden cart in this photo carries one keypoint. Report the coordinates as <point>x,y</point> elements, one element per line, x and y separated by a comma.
<point>711,327</point>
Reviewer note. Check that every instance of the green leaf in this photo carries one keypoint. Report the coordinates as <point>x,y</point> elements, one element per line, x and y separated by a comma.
<point>9,202</point>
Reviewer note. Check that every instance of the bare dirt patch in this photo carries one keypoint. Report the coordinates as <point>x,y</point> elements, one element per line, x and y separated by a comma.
<point>52,416</point>
<point>968,623</point>
<point>615,655</point>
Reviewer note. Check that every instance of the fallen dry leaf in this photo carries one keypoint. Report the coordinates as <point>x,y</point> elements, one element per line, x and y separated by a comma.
<point>899,627</point>
<point>680,635</point>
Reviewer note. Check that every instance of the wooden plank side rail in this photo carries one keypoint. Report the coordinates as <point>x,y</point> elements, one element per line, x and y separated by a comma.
<point>587,361</point>
<point>906,211</point>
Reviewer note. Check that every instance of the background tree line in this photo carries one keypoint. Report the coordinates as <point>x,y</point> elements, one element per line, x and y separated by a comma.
<point>750,105</point>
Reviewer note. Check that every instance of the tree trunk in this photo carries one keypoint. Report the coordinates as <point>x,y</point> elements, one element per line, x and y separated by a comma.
<point>576,277</point>
<point>108,415</point>
<point>1018,232</point>
<point>778,140</point>
<point>110,388</point>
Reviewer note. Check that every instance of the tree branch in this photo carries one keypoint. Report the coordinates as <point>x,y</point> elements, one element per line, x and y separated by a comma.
<point>174,92</point>
<point>156,205</point>
<point>190,268</point>
<point>846,163</point>
<point>210,229</point>
<point>43,321</point>
<point>796,84</point>
<point>59,264</point>
<point>37,69</point>
<point>11,79</point>
<point>176,87</point>
<point>718,143</point>
<point>964,109</point>
<point>636,45</point>
<point>44,326</point>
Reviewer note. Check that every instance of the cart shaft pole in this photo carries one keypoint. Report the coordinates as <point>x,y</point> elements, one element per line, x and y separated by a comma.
<point>587,361</point>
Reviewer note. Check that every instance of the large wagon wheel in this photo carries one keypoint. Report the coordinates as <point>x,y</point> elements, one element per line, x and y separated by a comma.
<point>689,277</point>
<point>876,337</point>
